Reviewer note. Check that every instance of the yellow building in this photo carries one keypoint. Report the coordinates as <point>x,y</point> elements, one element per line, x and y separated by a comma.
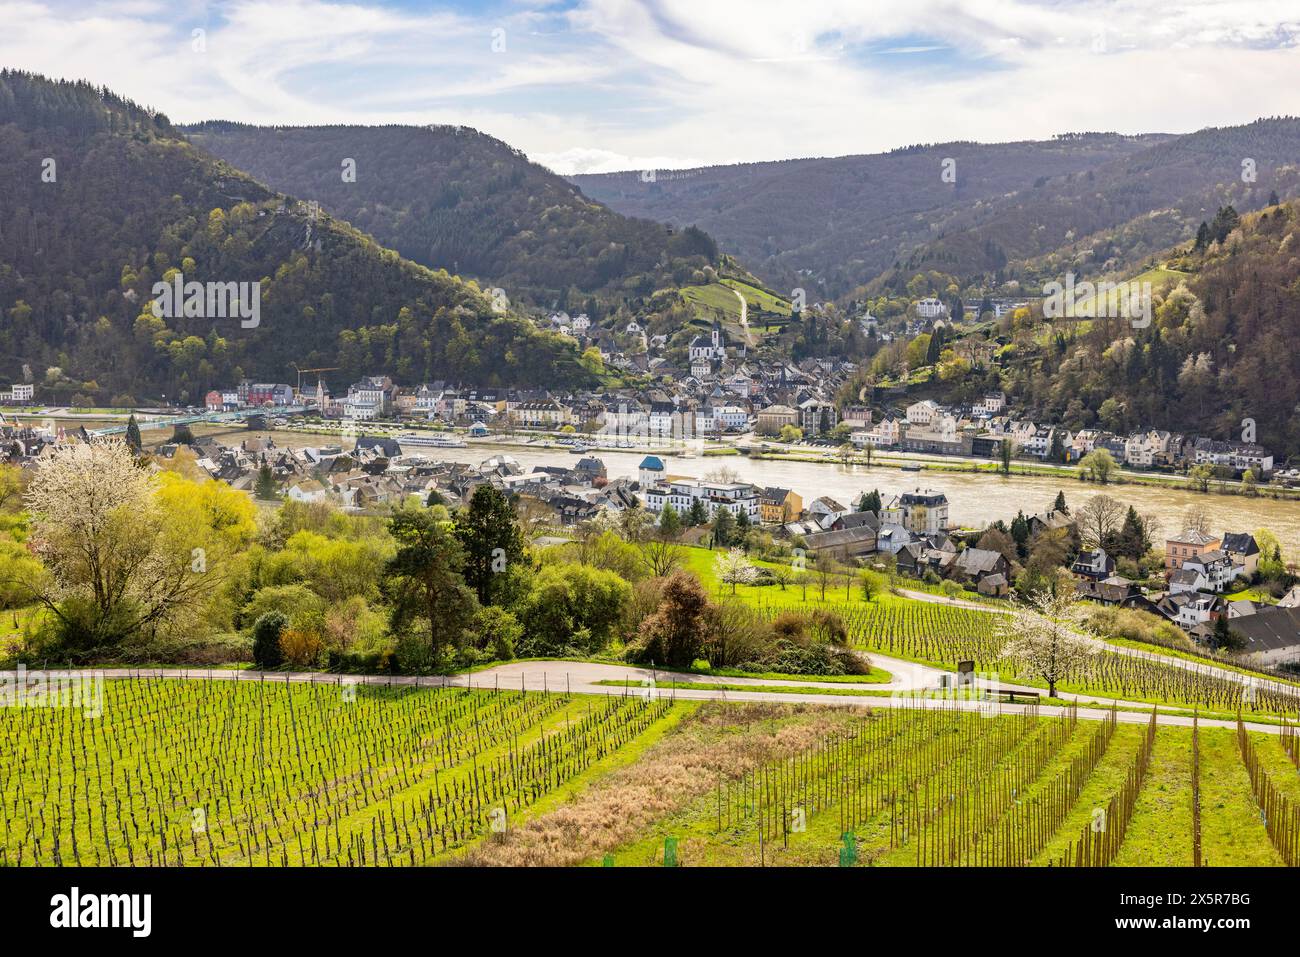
<point>777,506</point>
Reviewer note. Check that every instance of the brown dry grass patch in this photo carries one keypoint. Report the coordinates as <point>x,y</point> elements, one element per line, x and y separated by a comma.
<point>718,738</point>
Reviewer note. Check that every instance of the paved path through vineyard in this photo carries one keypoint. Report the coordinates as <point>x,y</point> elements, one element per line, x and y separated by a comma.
<point>912,686</point>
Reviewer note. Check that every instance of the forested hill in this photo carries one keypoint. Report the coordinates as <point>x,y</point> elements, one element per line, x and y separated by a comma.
<point>842,221</point>
<point>1220,348</point>
<point>1023,211</point>
<point>451,197</point>
<point>103,198</point>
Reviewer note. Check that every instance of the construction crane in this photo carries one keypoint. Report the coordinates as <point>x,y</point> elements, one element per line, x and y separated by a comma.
<point>301,371</point>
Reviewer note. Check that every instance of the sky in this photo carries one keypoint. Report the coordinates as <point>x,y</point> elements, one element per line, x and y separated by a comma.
<point>603,85</point>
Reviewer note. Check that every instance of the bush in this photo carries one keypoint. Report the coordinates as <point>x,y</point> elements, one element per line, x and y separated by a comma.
<point>301,606</point>
<point>266,639</point>
<point>497,632</point>
<point>300,647</point>
<point>572,608</point>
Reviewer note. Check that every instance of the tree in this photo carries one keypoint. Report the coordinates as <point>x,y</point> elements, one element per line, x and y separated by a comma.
<point>724,527</point>
<point>423,580</point>
<point>490,539</point>
<point>1224,638</point>
<point>1020,534</point>
<point>1199,476</point>
<point>1098,520</point>
<point>1059,505</point>
<point>870,502</point>
<point>265,488</point>
<point>698,514</point>
<point>733,568</point>
<point>266,639</point>
<point>1048,552</point>
<point>1004,456</point>
<point>1043,637</point>
<point>791,434</point>
<point>1099,465</point>
<point>670,524</point>
<point>1197,519</point>
<point>996,540</point>
<point>674,634</point>
<point>572,608</point>
<point>659,555</point>
<point>11,487</point>
<point>120,561</point>
<point>1132,541</point>
<point>133,440</point>
<point>825,567</point>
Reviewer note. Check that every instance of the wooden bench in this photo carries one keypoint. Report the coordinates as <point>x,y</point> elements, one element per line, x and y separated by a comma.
<point>1029,696</point>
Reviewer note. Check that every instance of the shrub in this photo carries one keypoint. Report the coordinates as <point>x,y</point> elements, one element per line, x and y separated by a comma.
<point>299,604</point>
<point>266,639</point>
<point>674,635</point>
<point>497,632</point>
<point>572,608</point>
<point>300,647</point>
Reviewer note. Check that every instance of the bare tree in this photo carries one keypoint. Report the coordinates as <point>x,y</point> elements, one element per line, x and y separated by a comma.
<point>1099,519</point>
<point>1044,637</point>
<point>723,474</point>
<point>1196,519</point>
<point>660,555</point>
<point>825,566</point>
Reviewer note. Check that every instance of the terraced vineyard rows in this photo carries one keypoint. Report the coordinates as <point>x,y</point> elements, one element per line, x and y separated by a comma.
<point>221,773</point>
<point>946,634</point>
<point>944,787</point>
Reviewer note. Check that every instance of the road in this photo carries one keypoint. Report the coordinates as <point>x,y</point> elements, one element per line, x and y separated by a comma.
<point>744,317</point>
<point>912,686</point>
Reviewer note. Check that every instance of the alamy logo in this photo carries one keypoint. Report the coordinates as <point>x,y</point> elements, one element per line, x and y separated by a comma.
<point>72,910</point>
<point>179,299</point>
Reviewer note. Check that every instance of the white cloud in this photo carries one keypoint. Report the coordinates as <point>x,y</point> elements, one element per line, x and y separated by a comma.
<point>661,84</point>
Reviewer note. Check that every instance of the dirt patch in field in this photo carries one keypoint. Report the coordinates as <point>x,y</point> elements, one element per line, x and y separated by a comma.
<point>719,738</point>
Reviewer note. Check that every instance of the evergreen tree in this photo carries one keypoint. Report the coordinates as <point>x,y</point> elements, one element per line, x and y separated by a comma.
<point>698,514</point>
<point>1202,236</point>
<point>670,524</point>
<point>870,502</point>
<point>490,539</point>
<point>1132,541</point>
<point>264,488</point>
<point>1020,533</point>
<point>724,527</point>
<point>1059,505</point>
<point>133,440</point>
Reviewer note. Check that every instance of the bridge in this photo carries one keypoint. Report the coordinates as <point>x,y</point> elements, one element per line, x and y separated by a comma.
<point>238,415</point>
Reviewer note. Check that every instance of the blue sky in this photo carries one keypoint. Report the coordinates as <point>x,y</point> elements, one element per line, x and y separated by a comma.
<point>592,85</point>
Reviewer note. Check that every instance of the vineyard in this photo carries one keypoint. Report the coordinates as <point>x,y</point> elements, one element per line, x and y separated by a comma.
<point>944,787</point>
<point>946,634</point>
<point>265,772</point>
<point>261,772</point>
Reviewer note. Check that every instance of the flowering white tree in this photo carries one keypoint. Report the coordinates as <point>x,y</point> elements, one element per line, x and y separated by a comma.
<point>117,561</point>
<point>733,568</point>
<point>1044,637</point>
